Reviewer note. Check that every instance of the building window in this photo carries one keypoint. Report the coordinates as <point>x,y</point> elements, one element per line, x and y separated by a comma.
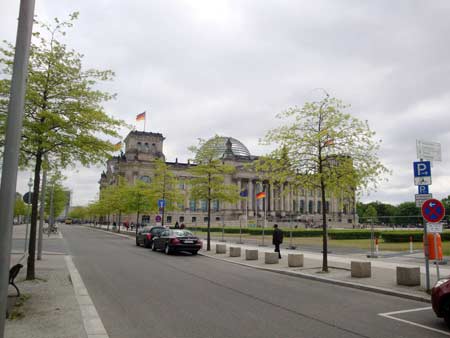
<point>194,219</point>
<point>181,218</point>
<point>295,205</point>
<point>327,207</point>
<point>145,179</point>
<point>205,219</point>
<point>310,207</point>
<point>192,204</point>
<point>203,206</point>
<point>319,207</point>
<point>145,219</point>
<point>169,219</point>
<point>302,206</point>
<point>217,218</point>
<point>215,205</point>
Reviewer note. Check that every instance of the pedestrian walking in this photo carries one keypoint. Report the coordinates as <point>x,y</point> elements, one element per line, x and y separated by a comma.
<point>177,226</point>
<point>182,226</point>
<point>277,238</point>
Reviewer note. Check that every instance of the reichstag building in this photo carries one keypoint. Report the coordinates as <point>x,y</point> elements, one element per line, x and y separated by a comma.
<point>282,204</point>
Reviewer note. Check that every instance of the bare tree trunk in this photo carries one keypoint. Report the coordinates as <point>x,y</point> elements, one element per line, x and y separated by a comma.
<point>34,213</point>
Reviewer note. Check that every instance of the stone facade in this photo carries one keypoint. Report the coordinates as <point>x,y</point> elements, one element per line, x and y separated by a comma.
<point>282,204</point>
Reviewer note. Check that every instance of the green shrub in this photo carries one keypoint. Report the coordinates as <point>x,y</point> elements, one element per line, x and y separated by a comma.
<point>403,236</point>
<point>352,234</point>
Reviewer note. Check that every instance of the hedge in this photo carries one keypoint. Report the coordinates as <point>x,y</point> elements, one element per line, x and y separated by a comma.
<point>403,236</point>
<point>352,234</point>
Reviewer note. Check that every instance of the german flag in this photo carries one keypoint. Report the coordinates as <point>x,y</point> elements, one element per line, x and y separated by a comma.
<point>140,117</point>
<point>260,195</point>
<point>118,146</point>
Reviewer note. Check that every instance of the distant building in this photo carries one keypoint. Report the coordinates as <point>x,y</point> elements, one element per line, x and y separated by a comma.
<point>300,205</point>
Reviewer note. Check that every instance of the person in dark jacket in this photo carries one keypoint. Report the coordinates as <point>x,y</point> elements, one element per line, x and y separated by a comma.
<point>277,238</point>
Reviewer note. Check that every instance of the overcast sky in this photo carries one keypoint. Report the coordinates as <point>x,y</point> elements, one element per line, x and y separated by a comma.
<point>203,67</point>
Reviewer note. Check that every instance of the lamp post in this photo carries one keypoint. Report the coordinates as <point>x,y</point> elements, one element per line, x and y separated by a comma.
<point>30,184</point>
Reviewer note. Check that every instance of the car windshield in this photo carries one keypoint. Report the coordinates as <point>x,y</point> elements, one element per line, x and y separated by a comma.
<point>182,233</point>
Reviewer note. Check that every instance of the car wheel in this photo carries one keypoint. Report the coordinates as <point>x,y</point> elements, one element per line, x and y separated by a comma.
<point>137,242</point>
<point>146,244</point>
<point>153,246</point>
<point>194,252</point>
<point>167,250</point>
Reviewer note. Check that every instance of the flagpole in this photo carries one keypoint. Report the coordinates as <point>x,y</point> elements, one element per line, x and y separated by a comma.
<point>145,120</point>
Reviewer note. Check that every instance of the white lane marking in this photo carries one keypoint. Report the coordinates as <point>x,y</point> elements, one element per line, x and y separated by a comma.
<point>91,320</point>
<point>390,316</point>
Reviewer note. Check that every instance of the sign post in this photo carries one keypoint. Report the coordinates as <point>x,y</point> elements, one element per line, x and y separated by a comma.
<point>433,211</point>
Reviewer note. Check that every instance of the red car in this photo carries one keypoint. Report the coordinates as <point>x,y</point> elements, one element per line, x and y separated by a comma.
<point>440,299</point>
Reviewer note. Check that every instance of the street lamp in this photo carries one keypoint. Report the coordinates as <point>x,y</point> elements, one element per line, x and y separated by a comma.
<point>30,184</point>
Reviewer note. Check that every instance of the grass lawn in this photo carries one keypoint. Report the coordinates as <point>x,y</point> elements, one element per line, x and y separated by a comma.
<point>344,243</point>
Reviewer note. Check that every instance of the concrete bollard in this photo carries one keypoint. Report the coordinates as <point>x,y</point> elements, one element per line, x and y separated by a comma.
<point>271,257</point>
<point>361,269</point>
<point>221,248</point>
<point>408,276</point>
<point>251,255</point>
<point>295,260</point>
<point>235,251</point>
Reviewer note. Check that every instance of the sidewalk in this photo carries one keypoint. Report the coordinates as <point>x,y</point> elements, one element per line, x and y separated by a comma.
<point>47,307</point>
<point>383,278</point>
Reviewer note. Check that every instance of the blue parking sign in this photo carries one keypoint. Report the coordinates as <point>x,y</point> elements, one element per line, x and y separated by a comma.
<point>423,189</point>
<point>161,203</point>
<point>422,169</point>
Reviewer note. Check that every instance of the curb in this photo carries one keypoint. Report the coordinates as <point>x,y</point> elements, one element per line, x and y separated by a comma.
<point>109,232</point>
<point>363,287</point>
<point>92,323</point>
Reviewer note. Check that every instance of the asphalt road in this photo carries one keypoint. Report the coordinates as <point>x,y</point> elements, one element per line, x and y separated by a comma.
<point>140,293</point>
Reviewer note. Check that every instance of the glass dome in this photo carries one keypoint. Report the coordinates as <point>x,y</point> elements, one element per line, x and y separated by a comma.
<point>220,145</point>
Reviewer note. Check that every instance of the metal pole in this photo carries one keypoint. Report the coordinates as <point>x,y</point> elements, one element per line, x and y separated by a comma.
<point>427,254</point>
<point>436,257</point>
<point>51,217</point>
<point>41,215</point>
<point>12,146</point>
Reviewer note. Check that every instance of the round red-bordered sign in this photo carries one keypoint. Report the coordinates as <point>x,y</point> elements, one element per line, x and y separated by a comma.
<point>433,210</point>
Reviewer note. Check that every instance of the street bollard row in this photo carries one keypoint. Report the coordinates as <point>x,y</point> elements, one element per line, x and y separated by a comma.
<point>409,276</point>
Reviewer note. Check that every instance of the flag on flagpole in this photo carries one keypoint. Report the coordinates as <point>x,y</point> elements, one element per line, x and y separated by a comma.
<point>260,195</point>
<point>140,117</point>
<point>118,146</point>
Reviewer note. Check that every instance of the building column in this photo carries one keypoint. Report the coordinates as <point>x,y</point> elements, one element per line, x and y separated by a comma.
<point>250,195</point>
<point>282,197</point>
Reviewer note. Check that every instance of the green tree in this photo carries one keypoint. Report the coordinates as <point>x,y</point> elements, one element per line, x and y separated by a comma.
<point>138,199</point>
<point>56,198</point>
<point>79,213</point>
<point>323,148</point>
<point>64,118</point>
<point>114,199</point>
<point>370,214</point>
<point>208,182</point>
<point>20,208</point>
<point>408,213</point>
<point>164,185</point>
<point>446,203</point>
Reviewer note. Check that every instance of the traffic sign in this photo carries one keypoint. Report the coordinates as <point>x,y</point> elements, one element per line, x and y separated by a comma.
<point>424,180</point>
<point>421,198</point>
<point>158,218</point>
<point>434,228</point>
<point>423,189</point>
<point>433,210</point>
<point>161,203</point>
<point>428,150</point>
<point>422,169</point>
<point>28,197</point>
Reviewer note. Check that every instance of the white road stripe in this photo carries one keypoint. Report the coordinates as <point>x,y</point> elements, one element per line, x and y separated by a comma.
<point>390,316</point>
<point>91,320</point>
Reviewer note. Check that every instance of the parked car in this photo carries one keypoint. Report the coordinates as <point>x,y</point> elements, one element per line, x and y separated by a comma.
<point>440,299</point>
<point>175,240</point>
<point>146,235</point>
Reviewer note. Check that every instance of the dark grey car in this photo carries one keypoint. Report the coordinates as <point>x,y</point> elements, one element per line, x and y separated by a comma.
<point>175,240</point>
<point>146,235</point>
